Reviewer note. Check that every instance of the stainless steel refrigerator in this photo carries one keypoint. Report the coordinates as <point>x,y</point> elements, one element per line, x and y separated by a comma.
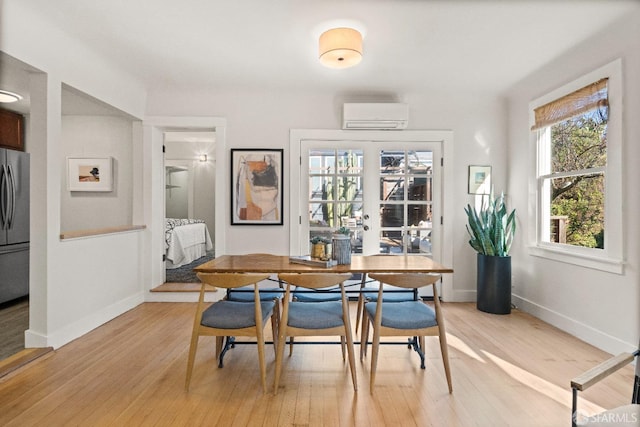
<point>14,224</point>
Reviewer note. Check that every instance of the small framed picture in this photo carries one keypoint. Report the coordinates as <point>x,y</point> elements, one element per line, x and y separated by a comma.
<point>89,174</point>
<point>256,186</point>
<point>479,180</point>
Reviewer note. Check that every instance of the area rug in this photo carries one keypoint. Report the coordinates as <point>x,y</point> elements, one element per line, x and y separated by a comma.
<point>185,274</point>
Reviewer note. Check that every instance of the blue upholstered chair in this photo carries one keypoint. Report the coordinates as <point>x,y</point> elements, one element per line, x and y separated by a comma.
<point>413,319</point>
<point>301,294</point>
<point>324,318</point>
<point>245,294</point>
<point>231,318</point>
<point>271,293</point>
<point>370,293</point>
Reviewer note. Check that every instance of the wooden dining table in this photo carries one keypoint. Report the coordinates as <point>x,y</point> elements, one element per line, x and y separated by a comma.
<point>364,264</point>
<point>267,263</point>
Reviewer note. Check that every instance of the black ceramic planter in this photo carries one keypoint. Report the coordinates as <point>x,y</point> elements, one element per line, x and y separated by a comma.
<point>494,284</point>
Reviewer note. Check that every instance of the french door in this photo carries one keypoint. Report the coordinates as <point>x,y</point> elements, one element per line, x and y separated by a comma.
<point>387,193</point>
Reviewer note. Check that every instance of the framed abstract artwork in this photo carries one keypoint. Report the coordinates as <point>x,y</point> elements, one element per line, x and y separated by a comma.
<point>479,180</point>
<point>256,186</point>
<point>90,174</point>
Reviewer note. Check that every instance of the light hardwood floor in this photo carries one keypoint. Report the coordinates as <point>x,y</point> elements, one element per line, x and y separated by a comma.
<point>507,370</point>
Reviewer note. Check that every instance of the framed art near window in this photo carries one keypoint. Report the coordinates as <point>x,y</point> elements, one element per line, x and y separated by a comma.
<point>89,174</point>
<point>479,180</point>
<point>256,186</point>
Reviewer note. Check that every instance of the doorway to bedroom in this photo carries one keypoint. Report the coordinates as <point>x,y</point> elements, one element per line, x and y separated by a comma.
<point>189,203</point>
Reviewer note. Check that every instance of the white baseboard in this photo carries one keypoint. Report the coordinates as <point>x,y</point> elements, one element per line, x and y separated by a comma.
<point>33,339</point>
<point>182,296</point>
<point>576,328</point>
<point>75,330</point>
<point>457,295</point>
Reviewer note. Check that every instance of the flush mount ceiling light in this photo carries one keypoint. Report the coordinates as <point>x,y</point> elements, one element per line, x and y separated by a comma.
<point>340,47</point>
<point>7,97</point>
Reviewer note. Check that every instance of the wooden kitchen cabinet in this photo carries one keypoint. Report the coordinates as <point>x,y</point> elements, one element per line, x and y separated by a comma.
<point>11,130</point>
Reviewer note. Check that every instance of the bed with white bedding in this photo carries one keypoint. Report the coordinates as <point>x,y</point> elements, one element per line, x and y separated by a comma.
<point>186,240</point>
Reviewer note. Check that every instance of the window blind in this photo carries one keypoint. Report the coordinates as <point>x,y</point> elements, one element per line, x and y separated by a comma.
<point>573,104</point>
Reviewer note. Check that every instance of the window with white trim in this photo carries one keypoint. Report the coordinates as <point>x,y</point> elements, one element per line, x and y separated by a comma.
<point>577,133</point>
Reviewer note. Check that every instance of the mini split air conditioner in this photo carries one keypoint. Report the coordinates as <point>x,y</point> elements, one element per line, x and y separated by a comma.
<point>384,116</point>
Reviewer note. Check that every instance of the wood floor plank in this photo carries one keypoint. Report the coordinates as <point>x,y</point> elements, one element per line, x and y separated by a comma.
<point>506,370</point>
<point>14,318</point>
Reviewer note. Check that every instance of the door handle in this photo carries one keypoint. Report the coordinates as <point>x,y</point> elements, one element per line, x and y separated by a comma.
<point>12,195</point>
<point>4,202</point>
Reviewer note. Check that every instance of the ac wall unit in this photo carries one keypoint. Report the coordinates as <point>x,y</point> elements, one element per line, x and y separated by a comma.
<point>384,116</point>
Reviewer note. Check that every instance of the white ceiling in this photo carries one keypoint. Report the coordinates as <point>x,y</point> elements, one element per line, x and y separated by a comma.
<point>409,45</point>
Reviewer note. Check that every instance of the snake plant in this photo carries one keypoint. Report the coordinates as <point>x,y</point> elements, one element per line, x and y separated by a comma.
<point>491,229</point>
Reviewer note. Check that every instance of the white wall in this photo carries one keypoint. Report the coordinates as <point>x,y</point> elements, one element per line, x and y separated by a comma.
<point>601,308</point>
<point>94,280</point>
<point>178,192</point>
<point>97,136</point>
<point>263,120</point>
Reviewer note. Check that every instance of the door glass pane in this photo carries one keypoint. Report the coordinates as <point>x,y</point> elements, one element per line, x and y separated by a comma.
<point>350,162</point>
<point>336,193</point>
<point>391,242</point>
<point>321,161</point>
<point>391,162</point>
<point>420,188</point>
<point>321,188</point>
<point>418,215</point>
<point>406,179</point>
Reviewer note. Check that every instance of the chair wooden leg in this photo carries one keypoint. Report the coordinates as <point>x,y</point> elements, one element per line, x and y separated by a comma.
<point>359,313</point>
<point>342,345</point>
<point>290,346</point>
<point>352,358</point>
<point>263,366</point>
<point>374,357</point>
<point>444,350</point>
<point>282,338</point>
<point>275,319</point>
<point>364,337</point>
<point>192,355</point>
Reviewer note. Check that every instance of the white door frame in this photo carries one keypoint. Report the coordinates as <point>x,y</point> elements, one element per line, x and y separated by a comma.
<point>297,205</point>
<point>153,129</point>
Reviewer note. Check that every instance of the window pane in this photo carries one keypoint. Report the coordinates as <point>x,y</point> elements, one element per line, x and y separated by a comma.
<point>350,214</point>
<point>321,188</point>
<point>577,210</point>
<point>349,188</point>
<point>579,143</point>
<point>350,162</point>
<point>321,215</point>
<point>419,188</point>
<point>391,162</point>
<point>420,240</point>
<point>391,242</point>
<point>322,161</point>
<point>392,188</point>
<point>391,215</point>
<point>420,162</point>
<point>418,215</point>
